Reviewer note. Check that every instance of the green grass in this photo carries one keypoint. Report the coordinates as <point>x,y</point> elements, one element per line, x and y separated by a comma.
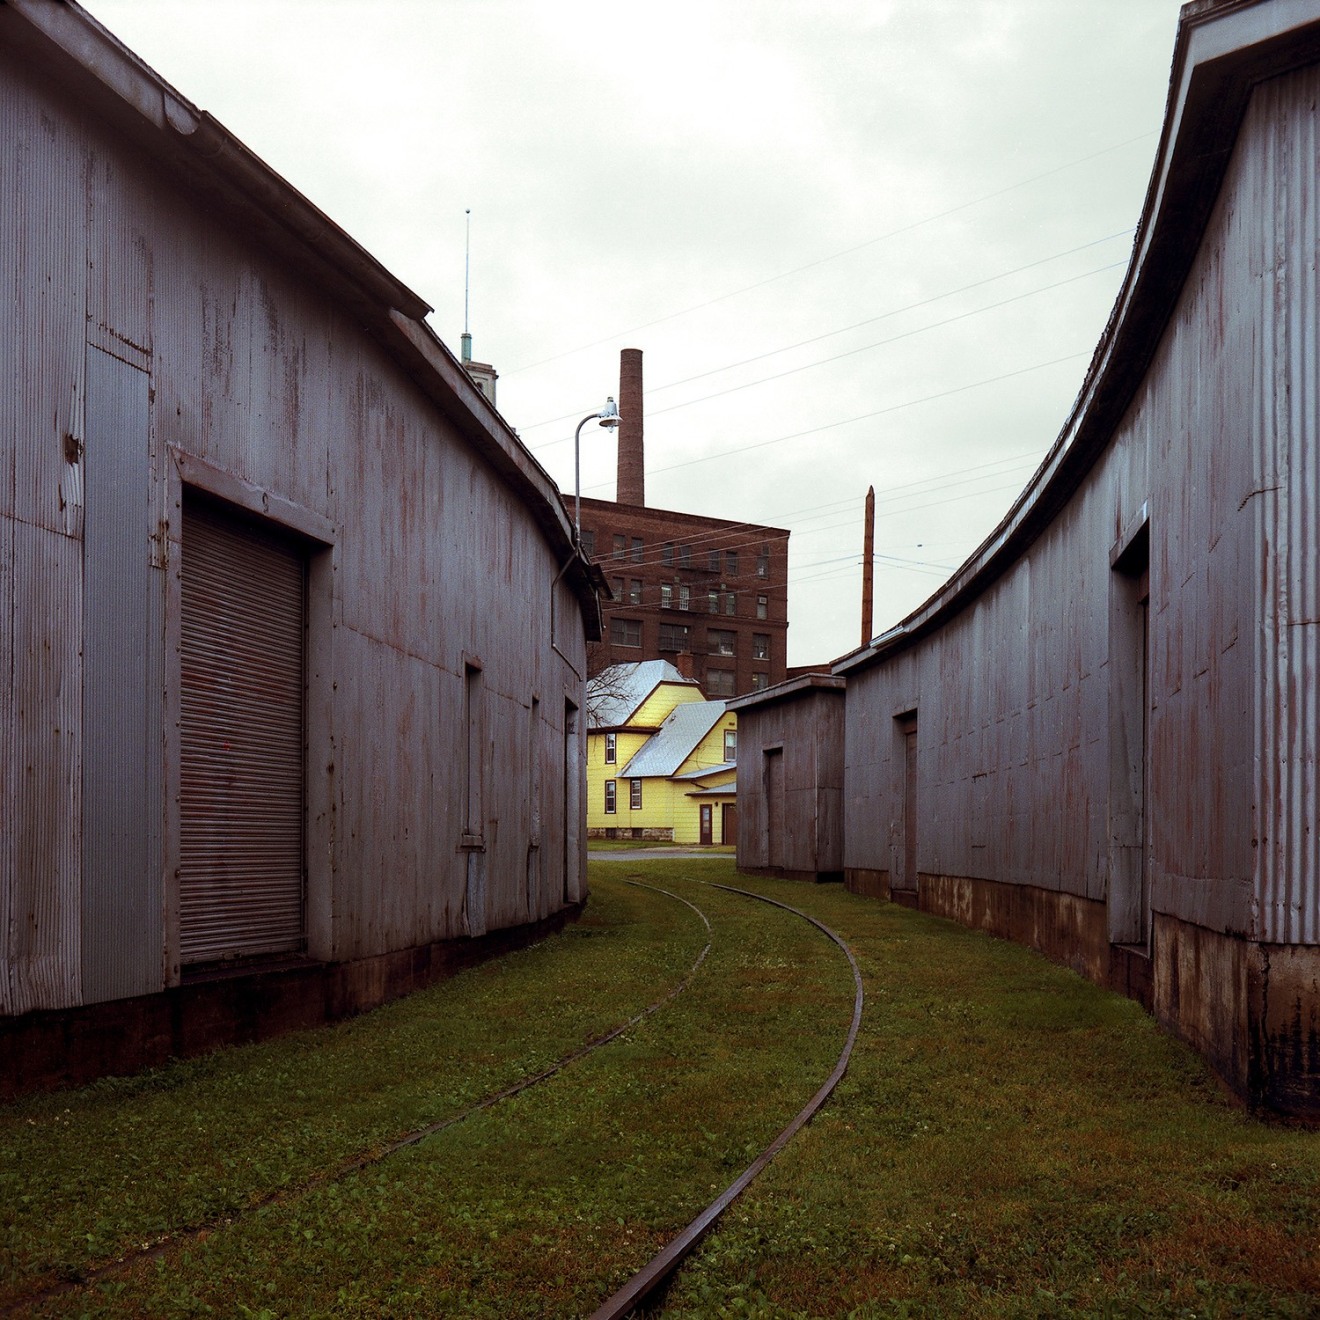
<point>1009,1141</point>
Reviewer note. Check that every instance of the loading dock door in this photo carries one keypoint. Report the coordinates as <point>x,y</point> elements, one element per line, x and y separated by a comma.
<point>241,772</point>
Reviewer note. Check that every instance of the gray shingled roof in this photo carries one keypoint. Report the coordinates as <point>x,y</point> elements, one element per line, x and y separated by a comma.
<point>628,686</point>
<point>672,743</point>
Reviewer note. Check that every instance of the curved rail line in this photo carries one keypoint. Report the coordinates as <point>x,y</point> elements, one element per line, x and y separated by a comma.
<point>662,1266</point>
<point>195,1232</point>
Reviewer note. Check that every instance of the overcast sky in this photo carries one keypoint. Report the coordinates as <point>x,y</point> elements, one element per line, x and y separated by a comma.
<point>858,241</point>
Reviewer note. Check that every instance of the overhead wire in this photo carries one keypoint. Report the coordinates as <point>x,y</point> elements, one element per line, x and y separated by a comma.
<point>834,256</point>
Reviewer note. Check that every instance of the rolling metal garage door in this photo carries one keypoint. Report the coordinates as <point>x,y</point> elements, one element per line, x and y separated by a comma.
<point>241,774</point>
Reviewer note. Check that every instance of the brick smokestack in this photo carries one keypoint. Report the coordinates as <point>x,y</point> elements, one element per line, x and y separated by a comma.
<point>631,484</point>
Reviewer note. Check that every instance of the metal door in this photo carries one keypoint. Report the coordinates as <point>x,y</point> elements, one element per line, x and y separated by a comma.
<point>241,773</point>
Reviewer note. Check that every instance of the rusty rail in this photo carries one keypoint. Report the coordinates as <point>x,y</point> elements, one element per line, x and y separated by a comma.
<point>178,1237</point>
<point>660,1267</point>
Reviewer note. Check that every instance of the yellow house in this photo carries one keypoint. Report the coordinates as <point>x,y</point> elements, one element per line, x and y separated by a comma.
<point>661,760</point>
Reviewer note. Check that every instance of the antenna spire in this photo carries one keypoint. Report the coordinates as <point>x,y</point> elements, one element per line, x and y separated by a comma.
<point>467,281</point>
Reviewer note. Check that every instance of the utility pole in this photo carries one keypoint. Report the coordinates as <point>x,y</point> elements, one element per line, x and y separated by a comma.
<point>868,565</point>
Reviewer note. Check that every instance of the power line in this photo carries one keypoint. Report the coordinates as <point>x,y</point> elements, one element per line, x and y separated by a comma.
<point>870,320</point>
<point>834,256</point>
<point>862,417</point>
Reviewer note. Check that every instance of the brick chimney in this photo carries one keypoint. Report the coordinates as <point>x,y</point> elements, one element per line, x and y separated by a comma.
<point>631,484</point>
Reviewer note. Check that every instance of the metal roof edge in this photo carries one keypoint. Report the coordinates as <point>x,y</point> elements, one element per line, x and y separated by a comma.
<point>1222,48</point>
<point>208,161</point>
<point>788,689</point>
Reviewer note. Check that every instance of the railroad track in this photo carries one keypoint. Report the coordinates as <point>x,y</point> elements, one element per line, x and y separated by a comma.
<point>646,1281</point>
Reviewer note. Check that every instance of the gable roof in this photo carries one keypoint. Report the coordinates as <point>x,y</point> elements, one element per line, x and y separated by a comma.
<point>616,694</point>
<point>666,749</point>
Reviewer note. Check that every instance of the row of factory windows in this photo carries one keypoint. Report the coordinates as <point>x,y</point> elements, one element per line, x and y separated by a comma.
<point>676,555</point>
<point>730,747</point>
<point>678,637</point>
<point>679,596</point>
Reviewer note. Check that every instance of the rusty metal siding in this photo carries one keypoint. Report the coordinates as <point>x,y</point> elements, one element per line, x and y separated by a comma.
<point>306,420</point>
<point>1220,444</point>
<point>806,774</point>
<point>121,682</point>
<point>1284,130</point>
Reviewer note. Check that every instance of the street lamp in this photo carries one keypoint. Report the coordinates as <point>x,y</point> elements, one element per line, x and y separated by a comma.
<point>609,418</point>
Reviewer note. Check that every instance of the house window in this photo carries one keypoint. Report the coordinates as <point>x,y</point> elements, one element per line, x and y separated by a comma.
<point>589,544</point>
<point>611,798</point>
<point>637,549</point>
<point>731,563</point>
<point>763,562</point>
<point>760,682</point>
<point>713,560</point>
<point>763,607</point>
<point>673,637</point>
<point>635,591</point>
<point>730,603</point>
<point>760,646</point>
<point>626,632</point>
<point>713,602</point>
<point>684,598</point>
<point>611,748</point>
<point>666,596</point>
<point>635,794</point>
<point>620,546</point>
<point>616,588</point>
<point>719,641</point>
<point>684,556</point>
<point>667,552</point>
<point>719,682</point>
<point>730,744</point>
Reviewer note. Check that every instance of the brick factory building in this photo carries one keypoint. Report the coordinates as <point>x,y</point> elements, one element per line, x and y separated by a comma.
<point>707,594</point>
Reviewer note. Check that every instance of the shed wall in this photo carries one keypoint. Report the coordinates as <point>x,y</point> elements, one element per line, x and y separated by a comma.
<point>261,391</point>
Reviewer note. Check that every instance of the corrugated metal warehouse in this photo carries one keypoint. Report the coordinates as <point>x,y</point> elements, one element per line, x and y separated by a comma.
<point>295,626</point>
<point>790,766</point>
<point>1100,736</point>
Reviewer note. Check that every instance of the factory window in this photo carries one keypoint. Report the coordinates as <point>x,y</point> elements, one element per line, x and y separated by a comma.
<point>763,607</point>
<point>719,682</point>
<point>713,560</point>
<point>731,563</point>
<point>635,591</point>
<point>713,602</point>
<point>667,552</point>
<point>684,598</point>
<point>721,642</point>
<point>589,544</point>
<point>760,646</point>
<point>684,556</point>
<point>730,603</point>
<point>760,682</point>
<point>637,549</point>
<point>611,802</point>
<point>730,744</point>
<point>611,748</point>
<point>620,546</point>
<point>616,588</point>
<point>626,632</point>
<point>673,637</point>
<point>666,596</point>
<point>635,794</point>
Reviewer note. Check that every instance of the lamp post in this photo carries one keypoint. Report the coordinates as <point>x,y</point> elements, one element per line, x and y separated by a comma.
<point>609,418</point>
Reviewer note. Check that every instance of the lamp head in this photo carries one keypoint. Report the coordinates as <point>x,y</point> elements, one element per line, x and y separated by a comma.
<point>609,414</point>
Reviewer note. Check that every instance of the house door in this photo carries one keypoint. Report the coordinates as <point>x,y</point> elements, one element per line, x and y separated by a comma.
<point>707,814</point>
<point>729,825</point>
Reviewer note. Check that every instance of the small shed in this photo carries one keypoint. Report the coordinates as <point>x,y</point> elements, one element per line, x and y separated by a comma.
<point>790,779</point>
